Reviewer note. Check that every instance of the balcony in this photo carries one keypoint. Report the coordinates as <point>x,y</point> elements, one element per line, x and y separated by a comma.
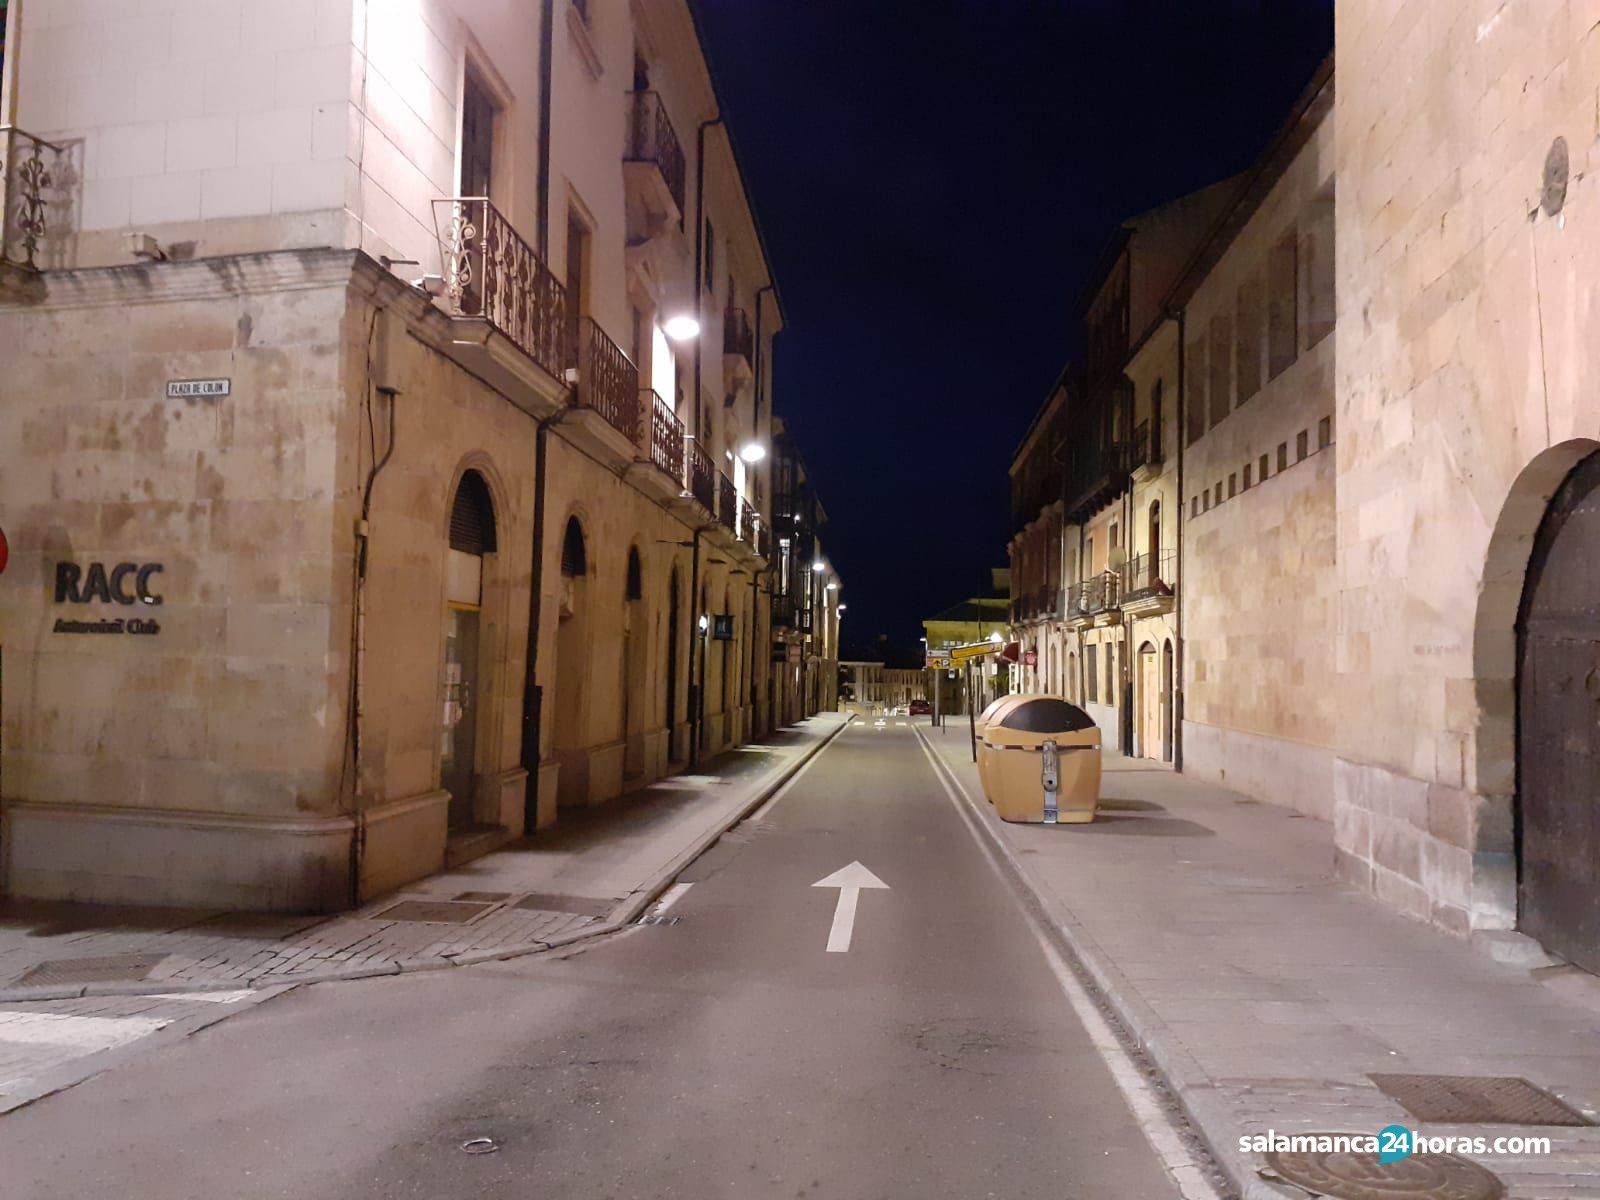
<point>751,531</point>
<point>727,504</point>
<point>702,480</point>
<point>1094,600</point>
<point>738,353</point>
<point>608,384</point>
<point>654,167</point>
<point>666,435</point>
<point>1144,452</point>
<point>1096,473</point>
<point>511,311</point>
<point>31,179</point>
<point>1147,583</point>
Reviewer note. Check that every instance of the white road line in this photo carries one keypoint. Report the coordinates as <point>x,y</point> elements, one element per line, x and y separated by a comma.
<point>1147,1109</point>
<point>80,1033</point>
<point>206,997</point>
<point>793,779</point>
<point>669,897</point>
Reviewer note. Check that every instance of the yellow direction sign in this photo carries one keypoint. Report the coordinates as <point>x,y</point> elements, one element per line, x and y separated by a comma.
<point>938,662</point>
<point>965,654</point>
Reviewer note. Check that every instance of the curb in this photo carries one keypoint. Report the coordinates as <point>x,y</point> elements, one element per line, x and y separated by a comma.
<point>1194,1090</point>
<point>620,918</point>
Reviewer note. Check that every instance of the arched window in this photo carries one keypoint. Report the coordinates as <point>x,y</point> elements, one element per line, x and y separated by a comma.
<point>635,575</point>
<point>574,558</point>
<point>472,516</point>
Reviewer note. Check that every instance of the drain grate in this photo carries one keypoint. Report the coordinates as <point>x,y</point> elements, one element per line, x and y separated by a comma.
<point>583,906</point>
<point>487,897</point>
<point>450,912</point>
<point>1476,1100</point>
<point>1358,1175</point>
<point>658,919</point>
<point>108,968</point>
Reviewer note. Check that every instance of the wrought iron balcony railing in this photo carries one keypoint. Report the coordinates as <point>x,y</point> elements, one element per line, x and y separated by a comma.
<point>727,504</point>
<point>1145,449</point>
<point>666,434</point>
<point>1093,595</point>
<point>702,480</point>
<point>652,139</point>
<point>607,382</point>
<point>30,177</point>
<point>491,274</point>
<point>749,525</point>
<point>736,337</point>
<point>1149,574</point>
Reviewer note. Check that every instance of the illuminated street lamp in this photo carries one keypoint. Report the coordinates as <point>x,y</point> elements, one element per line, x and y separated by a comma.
<point>819,566</point>
<point>752,452</point>
<point>681,328</point>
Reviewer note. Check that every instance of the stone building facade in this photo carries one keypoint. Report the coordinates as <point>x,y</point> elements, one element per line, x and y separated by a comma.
<point>376,500</point>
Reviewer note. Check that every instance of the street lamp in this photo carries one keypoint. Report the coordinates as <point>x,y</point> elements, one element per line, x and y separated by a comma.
<point>996,638</point>
<point>752,452</point>
<point>681,328</point>
<point>819,566</point>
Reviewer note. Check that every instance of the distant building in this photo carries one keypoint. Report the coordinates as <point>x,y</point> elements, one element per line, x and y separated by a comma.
<point>977,619</point>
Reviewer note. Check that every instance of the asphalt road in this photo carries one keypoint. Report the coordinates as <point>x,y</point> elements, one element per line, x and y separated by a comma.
<point>727,1055</point>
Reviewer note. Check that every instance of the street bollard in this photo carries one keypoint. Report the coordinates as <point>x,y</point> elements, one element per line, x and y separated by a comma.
<point>1051,779</point>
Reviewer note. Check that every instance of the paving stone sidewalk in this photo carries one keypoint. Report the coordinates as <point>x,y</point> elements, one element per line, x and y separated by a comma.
<point>593,873</point>
<point>1268,992</point>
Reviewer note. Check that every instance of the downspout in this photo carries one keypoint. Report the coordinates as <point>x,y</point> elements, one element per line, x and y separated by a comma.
<point>1182,506</point>
<point>697,650</point>
<point>532,693</point>
<point>755,580</point>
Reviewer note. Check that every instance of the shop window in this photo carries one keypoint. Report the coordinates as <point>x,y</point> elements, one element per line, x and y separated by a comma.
<point>472,517</point>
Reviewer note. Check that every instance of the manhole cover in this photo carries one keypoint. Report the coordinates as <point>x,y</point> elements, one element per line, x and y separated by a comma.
<point>1476,1100</point>
<point>585,906</point>
<point>443,911</point>
<point>1354,1175</point>
<point>658,919</point>
<point>487,897</point>
<point>108,968</point>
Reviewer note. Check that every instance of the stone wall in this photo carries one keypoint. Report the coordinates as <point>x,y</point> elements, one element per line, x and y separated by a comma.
<point>1466,389</point>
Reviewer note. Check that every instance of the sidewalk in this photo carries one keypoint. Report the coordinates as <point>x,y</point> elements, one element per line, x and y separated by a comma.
<point>594,872</point>
<point>1266,991</point>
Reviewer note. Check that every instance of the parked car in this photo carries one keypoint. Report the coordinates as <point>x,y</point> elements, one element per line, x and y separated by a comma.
<point>921,708</point>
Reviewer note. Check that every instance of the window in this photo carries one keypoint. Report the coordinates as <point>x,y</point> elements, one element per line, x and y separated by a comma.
<point>2,37</point>
<point>1091,673</point>
<point>574,556</point>
<point>472,516</point>
<point>1318,246</point>
<point>1195,384</point>
<point>1324,433</point>
<point>1247,477</point>
<point>1155,422</point>
<point>1282,310</point>
<point>1247,345</point>
<point>1301,449</point>
<point>577,274</point>
<point>1283,456</point>
<point>1194,506</point>
<point>1116,535</point>
<point>1261,468</point>
<point>1233,485</point>
<point>478,111</point>
<point>635,589</point>
<point>1207,501</point>
<point>1111,673</point>
<point>1221,381</point>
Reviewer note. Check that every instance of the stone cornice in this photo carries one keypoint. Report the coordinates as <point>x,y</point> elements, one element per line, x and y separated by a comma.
<point>196,279</point>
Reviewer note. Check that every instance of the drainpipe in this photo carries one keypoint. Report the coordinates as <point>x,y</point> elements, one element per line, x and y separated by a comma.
<point>697,658</point>
<point>532,693</point>
<point>755,580</point>
<point>700,251</point>
<point>358,691</point>
<point>1177,651</point>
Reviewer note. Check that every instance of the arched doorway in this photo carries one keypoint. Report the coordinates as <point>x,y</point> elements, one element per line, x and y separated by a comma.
<point>1168,735</point>
<point>633,667</point>
<point>472,537</point>
<point>1149,702</point>
<point>572,665</point>
<point>1558,725</point>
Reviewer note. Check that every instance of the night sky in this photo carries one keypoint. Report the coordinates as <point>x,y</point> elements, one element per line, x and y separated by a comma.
<point>935,180</point>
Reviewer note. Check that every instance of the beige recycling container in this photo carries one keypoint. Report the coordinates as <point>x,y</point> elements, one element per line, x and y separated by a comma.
<point>1014,745</point>
<point>987,717</point>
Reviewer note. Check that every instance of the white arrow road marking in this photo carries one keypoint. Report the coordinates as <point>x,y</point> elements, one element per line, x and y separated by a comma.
<point>849,880</point>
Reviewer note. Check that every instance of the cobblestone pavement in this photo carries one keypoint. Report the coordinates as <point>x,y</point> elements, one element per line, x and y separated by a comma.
<point>50,1044</point>
<point>1268,992</point>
